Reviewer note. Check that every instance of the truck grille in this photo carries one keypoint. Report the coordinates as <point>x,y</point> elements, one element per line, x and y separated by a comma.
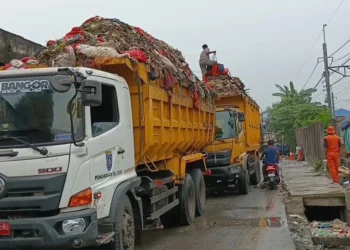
<point>31,196</point>
<point>218,159</point>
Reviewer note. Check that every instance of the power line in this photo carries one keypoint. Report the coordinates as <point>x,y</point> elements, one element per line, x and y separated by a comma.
<point>310,75</point>
<point>341,84</point>
<point>335,12</point>
<point>337,81</point>
<point>336,60</point>
<point>302,66</point>
<point>318,82</point>
<point>347,60</point>
<point>313,46</point>
<point>340,48</point>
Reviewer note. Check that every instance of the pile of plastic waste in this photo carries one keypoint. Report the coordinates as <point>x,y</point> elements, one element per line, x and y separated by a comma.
<point>102,38</point>
<point>336,228</point>
<point>225,85</point>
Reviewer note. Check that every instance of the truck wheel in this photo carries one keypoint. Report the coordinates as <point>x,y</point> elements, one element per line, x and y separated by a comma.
<point>255,178</point>
<point>124,228</point>
<point>199,186</point>
<point>244,182</point>
<point>187,197</point>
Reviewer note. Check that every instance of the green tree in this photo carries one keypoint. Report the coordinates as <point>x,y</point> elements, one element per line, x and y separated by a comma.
<point>295,110</point>
<point>305,95</point>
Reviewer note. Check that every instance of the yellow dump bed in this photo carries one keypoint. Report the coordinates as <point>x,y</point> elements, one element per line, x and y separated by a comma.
<point>164,126</point>
<point>252,128</point>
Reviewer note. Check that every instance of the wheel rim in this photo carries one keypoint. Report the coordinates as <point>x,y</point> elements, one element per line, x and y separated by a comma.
<point>127,230</point>
<point>191,202</point>
<point>202,193</point>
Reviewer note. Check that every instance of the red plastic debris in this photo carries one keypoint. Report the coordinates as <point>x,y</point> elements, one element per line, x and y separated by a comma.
<point>142,32</point>
<point>50,43</point>
<point>139,55</point>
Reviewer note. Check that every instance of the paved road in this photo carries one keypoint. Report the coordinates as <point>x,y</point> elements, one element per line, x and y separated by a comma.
<point>256,221</point>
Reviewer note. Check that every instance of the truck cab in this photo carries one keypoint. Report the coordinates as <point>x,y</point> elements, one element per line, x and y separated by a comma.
<point>59,167</point>
<point>233,156</point>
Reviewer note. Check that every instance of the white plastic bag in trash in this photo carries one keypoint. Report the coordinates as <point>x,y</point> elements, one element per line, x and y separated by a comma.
<point>67,59</point>
<point>167,62</point>
<point>95,52</point>
<point>16,63</point>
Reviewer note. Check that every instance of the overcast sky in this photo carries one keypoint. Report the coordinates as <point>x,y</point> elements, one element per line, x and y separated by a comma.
<point>264,42</point>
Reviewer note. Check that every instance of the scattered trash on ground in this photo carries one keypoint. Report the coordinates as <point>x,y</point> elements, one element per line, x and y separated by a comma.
<point>299,228</point>
<point>336,228</point>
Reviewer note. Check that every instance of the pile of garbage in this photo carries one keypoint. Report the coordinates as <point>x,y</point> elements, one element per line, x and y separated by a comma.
<point>335,228</point>
<point>99,39</point>
<point>225,85</point>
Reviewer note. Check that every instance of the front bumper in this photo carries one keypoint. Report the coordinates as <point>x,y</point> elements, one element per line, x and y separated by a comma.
<point>46,232</point>
<point>223,177</point>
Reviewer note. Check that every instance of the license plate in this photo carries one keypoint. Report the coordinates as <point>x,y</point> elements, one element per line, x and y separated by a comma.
<point>271,175</point>
<point>5,229</point>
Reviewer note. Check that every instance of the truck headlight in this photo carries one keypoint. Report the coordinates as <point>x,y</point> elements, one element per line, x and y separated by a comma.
<point>74,226</point>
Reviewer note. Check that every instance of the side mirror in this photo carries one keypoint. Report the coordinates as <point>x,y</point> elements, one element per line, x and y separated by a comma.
<point>241,116</point>
<point>91,93</point>
<point>61,83</point>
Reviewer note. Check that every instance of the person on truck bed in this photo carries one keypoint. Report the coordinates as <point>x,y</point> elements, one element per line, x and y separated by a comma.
<point>204,59</point>
<point>270,156</point>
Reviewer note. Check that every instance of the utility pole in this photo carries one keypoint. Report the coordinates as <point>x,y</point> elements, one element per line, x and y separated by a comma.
<point>333,104</point>
<point>326,71</point>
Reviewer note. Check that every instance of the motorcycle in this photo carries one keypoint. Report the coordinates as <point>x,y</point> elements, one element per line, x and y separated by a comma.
<point>273,179</point>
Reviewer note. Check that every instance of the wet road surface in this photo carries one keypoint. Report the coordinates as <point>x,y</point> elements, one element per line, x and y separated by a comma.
<point>256,222</point>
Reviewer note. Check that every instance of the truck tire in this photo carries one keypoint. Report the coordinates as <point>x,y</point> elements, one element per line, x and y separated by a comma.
<point>187,197</point>
<point>124,227</point>
<point>243,185</point>
<point>256,178</point>
<point>200,191</point>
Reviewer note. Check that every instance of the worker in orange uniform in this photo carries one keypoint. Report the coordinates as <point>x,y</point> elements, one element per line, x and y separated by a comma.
<point>332,145</point>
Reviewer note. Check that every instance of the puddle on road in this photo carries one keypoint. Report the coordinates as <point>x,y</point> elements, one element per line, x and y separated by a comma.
<point>272,222</point>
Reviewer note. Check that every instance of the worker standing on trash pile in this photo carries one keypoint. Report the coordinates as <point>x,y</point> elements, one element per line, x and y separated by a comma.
<point>332,145</point>
<point>204,59</point>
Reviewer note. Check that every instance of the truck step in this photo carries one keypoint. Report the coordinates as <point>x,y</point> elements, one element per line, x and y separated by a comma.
<point>105,238</point>
<point>163,210</point>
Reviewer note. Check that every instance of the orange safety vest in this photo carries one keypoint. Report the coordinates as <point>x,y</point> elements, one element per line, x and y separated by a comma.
<point>332,143</point>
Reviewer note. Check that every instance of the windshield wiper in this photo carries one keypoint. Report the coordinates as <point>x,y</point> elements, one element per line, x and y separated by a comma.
<point>42,151</point>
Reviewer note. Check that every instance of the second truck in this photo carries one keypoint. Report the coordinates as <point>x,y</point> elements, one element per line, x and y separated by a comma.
<point>233,157</point>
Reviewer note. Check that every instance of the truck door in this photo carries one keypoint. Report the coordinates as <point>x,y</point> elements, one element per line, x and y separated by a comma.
<point>111,144</point>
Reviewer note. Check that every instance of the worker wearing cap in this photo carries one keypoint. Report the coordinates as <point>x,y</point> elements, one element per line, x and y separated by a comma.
<point>332,145</point>
<point>205,60</point>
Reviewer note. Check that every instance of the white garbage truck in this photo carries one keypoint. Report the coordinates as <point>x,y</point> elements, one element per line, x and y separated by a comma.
<point>91,157</point>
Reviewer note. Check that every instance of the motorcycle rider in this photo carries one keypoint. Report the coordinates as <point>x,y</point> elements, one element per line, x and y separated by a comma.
<point>270,156</point>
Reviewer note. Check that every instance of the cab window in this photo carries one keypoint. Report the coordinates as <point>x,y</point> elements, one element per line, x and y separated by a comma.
<point>225,125</point>
<point>106,116</point>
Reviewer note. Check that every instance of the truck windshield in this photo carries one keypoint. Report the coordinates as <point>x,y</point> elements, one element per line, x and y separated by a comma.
<point>225,125</point>
<point>33,112</point>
